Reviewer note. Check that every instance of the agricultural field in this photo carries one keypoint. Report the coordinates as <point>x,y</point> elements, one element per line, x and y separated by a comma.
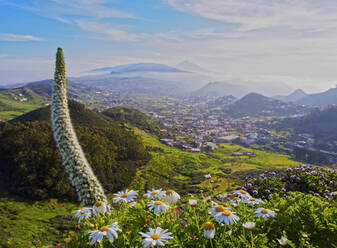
<point>186,170</point>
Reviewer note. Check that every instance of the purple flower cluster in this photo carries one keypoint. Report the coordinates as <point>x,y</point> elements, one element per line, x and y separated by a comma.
<point>306,179</point>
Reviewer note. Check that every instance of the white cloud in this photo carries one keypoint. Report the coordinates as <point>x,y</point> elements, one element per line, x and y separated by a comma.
<point>63,10</point>
<point>18,37</point>
<point>108,32</point>
<point>310,15</point>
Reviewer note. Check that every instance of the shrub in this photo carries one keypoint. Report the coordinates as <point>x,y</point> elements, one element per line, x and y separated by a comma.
<point>30,164</point>
<point>306,179</point>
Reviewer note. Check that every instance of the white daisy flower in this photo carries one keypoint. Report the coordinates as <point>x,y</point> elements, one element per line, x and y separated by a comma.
<point>249,225</point>
<point>207,176</point>
<point>253,201</point>
<point>99,208</point>
<point>209,230</point>
<point>264,213</point>
<point>235,201</point>
<point>226,216</point>
<point>125,196</point>
<point>193,202</point>
<point>155,237</point>
<point>170,196</point>
<point>222,196</point>
<point>132,204</point>
<point>154,193</point>
<point>282,241</point>
<point>219,209</point>
<point>111,231</point>
<point>244,195</point>
<point>158,206</point>
<point>83,213</point>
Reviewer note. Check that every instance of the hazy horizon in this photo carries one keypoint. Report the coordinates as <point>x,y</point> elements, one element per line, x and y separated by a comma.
<point>276,42</point>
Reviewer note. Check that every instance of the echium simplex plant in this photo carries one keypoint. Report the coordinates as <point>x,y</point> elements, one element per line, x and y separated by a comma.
<point>81,176</point>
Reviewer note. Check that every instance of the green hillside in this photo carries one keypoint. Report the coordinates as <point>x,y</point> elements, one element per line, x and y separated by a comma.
<point>30,164</point>
<point>18,101</point>
<point>321,124</point>
<point>15,102</point>
<point>184,171</point>
<point>133,117</point>
<point>125,157</point>
<point>35,224</point>
<point>255,104</point>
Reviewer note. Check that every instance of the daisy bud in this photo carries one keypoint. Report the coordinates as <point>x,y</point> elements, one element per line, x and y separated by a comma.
<point>209,230</point>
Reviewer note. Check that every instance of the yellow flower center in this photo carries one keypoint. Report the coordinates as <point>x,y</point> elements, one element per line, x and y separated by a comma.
<point>243,192</point>
<point>99,203</point>
<point>158,202</point>
<point>236,199</point>
<point>226,213</point>
<point>209,226</point>
<point>226,205</point>
<point>220,208</point>
<point>264,211</point>
<point>125,195</point>
<point>104,229</point>
<point>154,193</point>
<point>252,199</point>
<point>169,192</point>
<point>155,236</point>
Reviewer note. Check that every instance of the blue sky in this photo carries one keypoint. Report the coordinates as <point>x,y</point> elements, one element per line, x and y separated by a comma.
<point>293,41</point>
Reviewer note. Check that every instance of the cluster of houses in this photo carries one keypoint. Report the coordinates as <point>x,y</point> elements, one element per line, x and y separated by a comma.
<point>18,97</point>
<point>207,132</point>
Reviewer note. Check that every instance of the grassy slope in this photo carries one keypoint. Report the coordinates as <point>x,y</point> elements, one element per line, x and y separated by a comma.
<point>171,166</point>
<point>10,108</point>
<point>34,224</point>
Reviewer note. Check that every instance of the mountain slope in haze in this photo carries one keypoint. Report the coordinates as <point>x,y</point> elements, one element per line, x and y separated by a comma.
<point>255,104</point>
<point>328,97</point>
<point>320,123</point>
<point>80,115</point>
<point>149,78</point>
<point>219,89</point>
<point>17,101</point>
<point>113,152</point>
<point>139,67</point>
<point>293,97</point>
<point>188,66</point>
<point>74,90</point>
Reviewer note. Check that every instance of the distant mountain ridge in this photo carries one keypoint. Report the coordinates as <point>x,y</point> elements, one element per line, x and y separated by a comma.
<point>220,89</point>
<point>255,104</point>
<point>293,97</point>
<point>139,67</point>
<point>188,66</point>
<point>320,123</point>
<point>328,97</point>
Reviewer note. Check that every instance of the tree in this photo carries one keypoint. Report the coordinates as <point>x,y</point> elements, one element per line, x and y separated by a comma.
<point>81,176</point>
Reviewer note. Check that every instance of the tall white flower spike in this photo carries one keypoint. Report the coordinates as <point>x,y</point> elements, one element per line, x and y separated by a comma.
<point>87,186</point>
